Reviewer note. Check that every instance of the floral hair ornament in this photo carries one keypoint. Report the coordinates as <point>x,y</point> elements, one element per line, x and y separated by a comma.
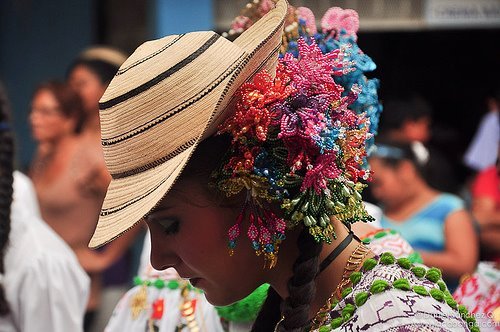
<point>338,30</point>
<point>296,142</point>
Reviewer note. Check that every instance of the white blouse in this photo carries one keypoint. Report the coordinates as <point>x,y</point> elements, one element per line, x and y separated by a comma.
<point>45,286</point>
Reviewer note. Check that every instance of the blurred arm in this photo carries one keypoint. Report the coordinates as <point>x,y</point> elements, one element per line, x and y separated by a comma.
<point>484,210</point>
<point>461,248</point>
<point>94,261</point>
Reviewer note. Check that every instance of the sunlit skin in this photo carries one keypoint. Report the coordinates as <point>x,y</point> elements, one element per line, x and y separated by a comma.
<point>189,233</point>
<point>403,192</point>
<point>48,123</point>
<point>90,88</point>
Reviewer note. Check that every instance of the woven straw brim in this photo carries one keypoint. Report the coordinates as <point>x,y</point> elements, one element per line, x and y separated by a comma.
<point>151,125</point>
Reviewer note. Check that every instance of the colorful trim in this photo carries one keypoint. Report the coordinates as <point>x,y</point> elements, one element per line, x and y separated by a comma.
<point>440,293</point>
<point>170,284</point>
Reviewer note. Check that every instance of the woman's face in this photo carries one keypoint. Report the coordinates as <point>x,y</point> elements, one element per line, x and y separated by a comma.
<point>388,185</point>
<point>89,87</point>
<point>47,122</point>
<point>189,233</point>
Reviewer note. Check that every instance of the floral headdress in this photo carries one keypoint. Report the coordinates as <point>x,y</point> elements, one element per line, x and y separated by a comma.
<point>299,141</point>
<point>338,30</point>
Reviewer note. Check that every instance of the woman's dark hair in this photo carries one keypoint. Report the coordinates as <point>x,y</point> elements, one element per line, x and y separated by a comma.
<point>204,163</point>
<point>301,289</point>
<point>102,69</point>
<point>69,101</point>
<point>393,153</point>
<point>398,111</point>
<point>301,286</point>
<point>6,182</point>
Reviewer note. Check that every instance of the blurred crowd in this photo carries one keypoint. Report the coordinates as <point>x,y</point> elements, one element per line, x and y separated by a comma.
<point>67,182</point>
<point>452,223</point>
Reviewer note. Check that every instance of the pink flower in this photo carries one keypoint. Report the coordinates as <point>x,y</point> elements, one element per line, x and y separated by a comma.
<point>265,6</point>
<point>324,169</point>
<point>336,19</point>
<point>241,23</point>
<point>312,72</point>
<point>307,15</point>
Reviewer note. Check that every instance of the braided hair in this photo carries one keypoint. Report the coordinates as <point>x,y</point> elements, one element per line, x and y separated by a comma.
<point>6,181</point>
<point>301,289</point>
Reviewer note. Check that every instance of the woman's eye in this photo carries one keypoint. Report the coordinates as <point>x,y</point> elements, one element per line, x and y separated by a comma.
<point>170,226</point>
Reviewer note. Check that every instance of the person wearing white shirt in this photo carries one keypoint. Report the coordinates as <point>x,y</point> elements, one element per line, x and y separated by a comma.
<point>42,286</point>
<point>45,287</point>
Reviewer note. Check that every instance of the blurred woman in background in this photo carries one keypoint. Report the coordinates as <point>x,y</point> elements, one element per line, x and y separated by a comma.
<point>64,171</point>
<point>436,224</point>
<point>485,192</point>
<point>42,286</point>
<point>89,75</point>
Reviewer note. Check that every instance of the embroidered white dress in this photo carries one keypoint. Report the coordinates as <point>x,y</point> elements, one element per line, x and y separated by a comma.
<point>158,306</point>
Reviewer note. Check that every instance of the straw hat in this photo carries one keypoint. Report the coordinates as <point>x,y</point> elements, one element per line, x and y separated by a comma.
<point>169,95</point>
<point>104,53</point>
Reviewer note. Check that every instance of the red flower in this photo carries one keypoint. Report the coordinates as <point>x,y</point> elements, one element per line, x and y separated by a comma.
<point>158,307</point>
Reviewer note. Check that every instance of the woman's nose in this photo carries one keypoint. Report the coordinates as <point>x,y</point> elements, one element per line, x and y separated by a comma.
<point>162,256</point>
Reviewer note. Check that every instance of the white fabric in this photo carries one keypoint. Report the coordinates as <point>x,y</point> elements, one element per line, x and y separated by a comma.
<point>144,264</point>
<point>122,319</point>
<point>375,212</point>
<point>483,150</point>
<point>206,315</point>
<point>45,286</point>
<point>25,194</point>
<point>480,294</point>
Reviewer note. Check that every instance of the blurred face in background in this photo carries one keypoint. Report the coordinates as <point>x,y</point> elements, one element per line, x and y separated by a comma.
<point>89,87</point>
<point>417,130</point>
<point>391,184</point>
<point>48,122</point>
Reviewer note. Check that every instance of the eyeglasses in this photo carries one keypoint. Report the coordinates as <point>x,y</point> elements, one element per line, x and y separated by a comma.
<point>47,112</point>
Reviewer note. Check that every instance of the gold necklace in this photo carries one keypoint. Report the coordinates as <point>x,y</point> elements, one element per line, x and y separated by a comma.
<point>353,264</point>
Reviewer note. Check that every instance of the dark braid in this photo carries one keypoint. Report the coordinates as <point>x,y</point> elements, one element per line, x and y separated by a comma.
<point>302,285</point>
<point>6,181</point>
<point>301,288</point>
<point>269,314</point>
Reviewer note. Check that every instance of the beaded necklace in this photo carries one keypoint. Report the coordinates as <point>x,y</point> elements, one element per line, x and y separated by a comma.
<point>353,264</point>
